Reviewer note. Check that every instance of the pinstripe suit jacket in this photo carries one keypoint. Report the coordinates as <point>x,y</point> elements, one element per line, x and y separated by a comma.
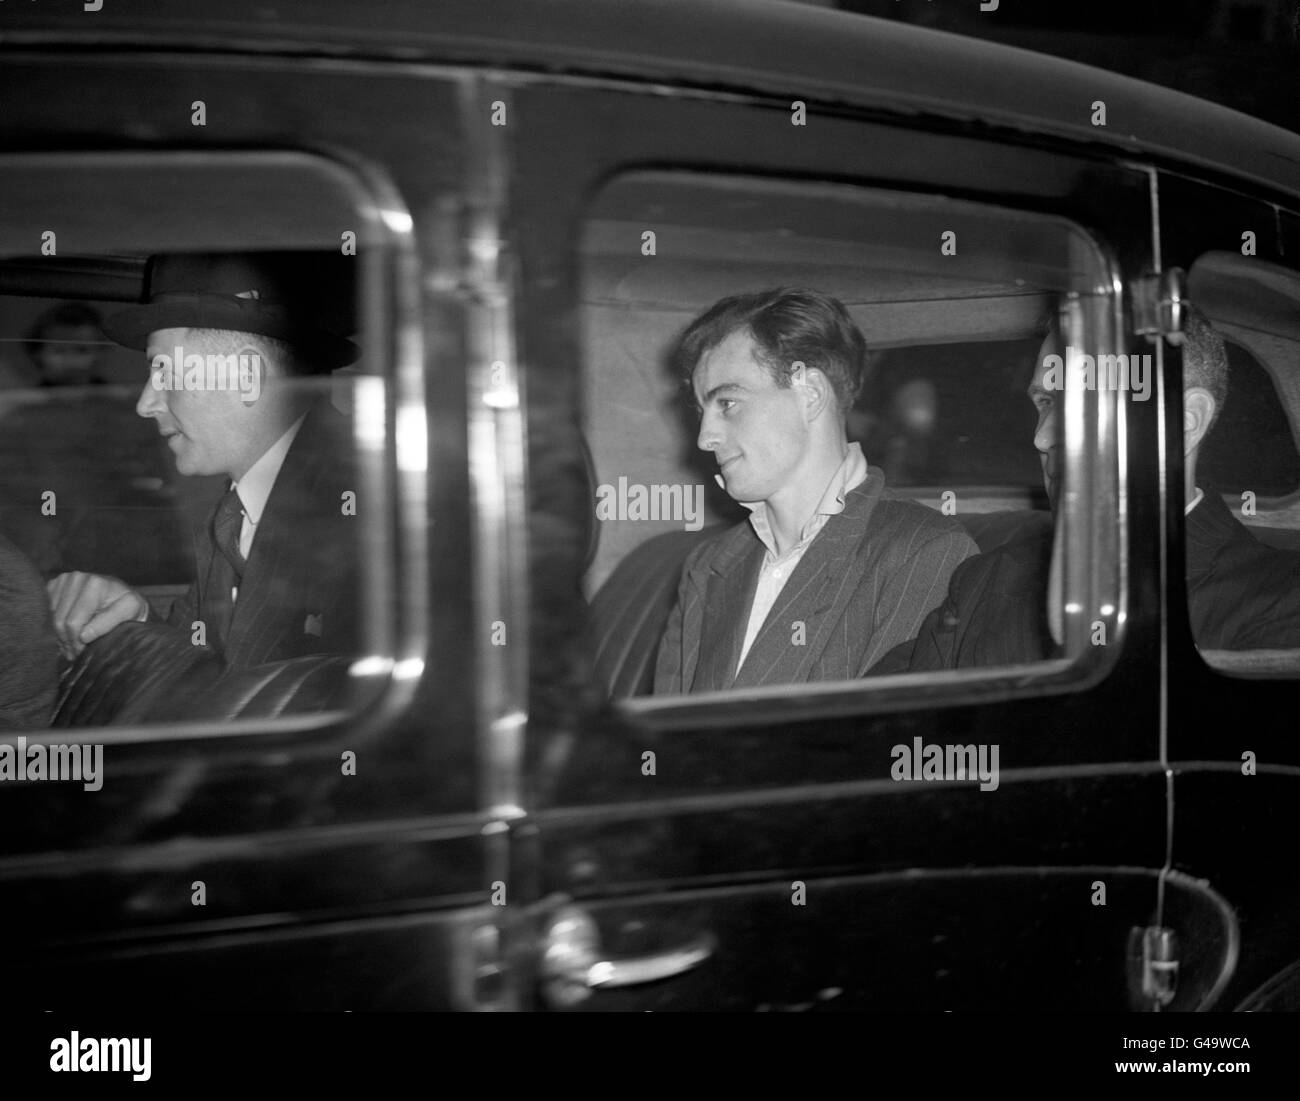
<point>864,585</point>
<point>299,594</point>
<point>995,612</point>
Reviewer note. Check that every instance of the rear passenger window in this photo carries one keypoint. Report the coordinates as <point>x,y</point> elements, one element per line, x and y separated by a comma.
<point>195,442</point>
<point>1241,400</point>
<point>1252,447</point>
<point>827,427</point>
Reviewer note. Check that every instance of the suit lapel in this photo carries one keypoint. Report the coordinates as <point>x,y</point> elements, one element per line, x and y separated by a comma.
<point>282,563</point>
<point>816,595</point>
<point>729,593</point>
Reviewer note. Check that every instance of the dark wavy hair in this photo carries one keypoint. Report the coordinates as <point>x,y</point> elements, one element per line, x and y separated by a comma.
<point>788,325</point>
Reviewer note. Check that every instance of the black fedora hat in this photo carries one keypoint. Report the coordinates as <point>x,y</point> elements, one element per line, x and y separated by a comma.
<point>303,298</point>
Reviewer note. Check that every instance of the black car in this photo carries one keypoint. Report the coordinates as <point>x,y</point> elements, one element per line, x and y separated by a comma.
<point>488,807</point>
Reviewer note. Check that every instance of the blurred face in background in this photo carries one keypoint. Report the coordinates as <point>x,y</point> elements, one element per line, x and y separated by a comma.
<point>68,355</point>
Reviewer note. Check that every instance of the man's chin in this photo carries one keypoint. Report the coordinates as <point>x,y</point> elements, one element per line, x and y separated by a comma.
<point>737,492</point>
<point>190,468</point>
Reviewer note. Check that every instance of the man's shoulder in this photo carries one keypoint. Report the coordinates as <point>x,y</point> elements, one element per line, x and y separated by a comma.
<point>899,525</point>
<point>906,513</point>
<point>325,429</point>
<point>323,451</point>
<point>1221,549</point>
<point>1017,568</point>
<point>878,508</point>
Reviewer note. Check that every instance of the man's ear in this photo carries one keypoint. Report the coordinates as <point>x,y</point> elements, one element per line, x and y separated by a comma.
<point>817,391</point>
<point>1198,411</point>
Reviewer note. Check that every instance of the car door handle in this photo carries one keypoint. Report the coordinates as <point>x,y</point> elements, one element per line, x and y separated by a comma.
<point>572,964</point>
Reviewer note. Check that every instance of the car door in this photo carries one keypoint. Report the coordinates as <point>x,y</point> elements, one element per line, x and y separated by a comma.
<point>1231,747</point>
<point>330,859</point>
<point>755,850</point>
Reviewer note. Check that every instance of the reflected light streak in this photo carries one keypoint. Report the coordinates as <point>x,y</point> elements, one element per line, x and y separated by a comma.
<point>399,221</point>
<point>369,403</point>
<point>371,666</point>
<point>412,440</point>
<point>408,669</point>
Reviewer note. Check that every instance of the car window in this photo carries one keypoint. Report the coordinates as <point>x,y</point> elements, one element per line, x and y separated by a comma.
<point>194,444</point>
<point>1252,446</point>
<point>1241,396</point>
<point>953,301</point>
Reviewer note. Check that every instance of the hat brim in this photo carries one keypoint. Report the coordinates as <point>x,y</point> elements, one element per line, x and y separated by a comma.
<point>320,350</point>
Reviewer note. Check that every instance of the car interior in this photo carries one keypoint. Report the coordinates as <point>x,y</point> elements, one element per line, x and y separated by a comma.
<point>952,336</point>
<point>952,347</point>
<point>1251,452</point>
<point>952,342</point>
<point>119,507</point>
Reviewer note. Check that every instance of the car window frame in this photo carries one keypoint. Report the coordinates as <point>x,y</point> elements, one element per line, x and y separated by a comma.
<point>389,334</point>
<point>782,704</point>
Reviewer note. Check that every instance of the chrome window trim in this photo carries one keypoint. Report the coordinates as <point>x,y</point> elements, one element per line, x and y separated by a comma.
<point>496,429</point>
<point>388,308</point>
<point>1104,515</point>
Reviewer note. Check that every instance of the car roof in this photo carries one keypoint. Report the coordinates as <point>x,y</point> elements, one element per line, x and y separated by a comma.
<point>791,50</point>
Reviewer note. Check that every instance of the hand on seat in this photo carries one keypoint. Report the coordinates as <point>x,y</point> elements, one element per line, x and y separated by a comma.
<point>86,606</point>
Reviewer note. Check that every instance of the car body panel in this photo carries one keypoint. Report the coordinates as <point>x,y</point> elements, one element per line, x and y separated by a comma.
<point>334,895</point>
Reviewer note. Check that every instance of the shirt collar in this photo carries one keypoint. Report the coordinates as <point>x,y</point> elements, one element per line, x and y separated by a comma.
<point>255,486</point>
<point>1196,500</point>
<point>850,474</point>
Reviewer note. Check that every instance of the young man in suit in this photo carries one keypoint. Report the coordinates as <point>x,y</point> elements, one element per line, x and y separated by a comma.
<point>276,561</point>
<point>831,570</point>
<point>1242,594</point>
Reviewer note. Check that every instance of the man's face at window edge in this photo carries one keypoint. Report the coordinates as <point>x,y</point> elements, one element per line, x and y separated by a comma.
<point>1047,432</point>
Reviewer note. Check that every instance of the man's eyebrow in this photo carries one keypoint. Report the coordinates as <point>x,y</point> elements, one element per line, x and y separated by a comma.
<point>724,387</point>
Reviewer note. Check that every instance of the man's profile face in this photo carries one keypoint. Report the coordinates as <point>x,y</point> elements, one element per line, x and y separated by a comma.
<point>209,431</point>
<point>1047,435</point>
<point>755,428</point>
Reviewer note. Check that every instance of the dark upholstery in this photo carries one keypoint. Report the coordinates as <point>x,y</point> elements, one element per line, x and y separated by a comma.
<point>993,529</point>
<point>628,615</point>
<point>149,672</point>
<point>1287,539</point>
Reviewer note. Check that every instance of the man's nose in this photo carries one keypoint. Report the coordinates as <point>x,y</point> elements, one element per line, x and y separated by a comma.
<point>709,436</point>
<point>1046,438</point>
<point>151,401</point>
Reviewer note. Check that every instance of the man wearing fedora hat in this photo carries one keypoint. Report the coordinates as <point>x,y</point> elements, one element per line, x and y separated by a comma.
<point>232,340</point>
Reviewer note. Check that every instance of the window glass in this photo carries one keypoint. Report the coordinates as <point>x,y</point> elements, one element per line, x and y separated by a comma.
<point>1241,399</point>
<point>1251,447</point>
<point>856,366</point>
<point>193,432</point>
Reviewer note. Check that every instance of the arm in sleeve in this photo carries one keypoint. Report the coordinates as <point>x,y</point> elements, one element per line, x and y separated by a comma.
<point>915,590</point>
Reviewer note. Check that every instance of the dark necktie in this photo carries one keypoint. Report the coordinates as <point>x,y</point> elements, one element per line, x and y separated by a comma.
<point>226,522</point>
<point>227,569</point>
